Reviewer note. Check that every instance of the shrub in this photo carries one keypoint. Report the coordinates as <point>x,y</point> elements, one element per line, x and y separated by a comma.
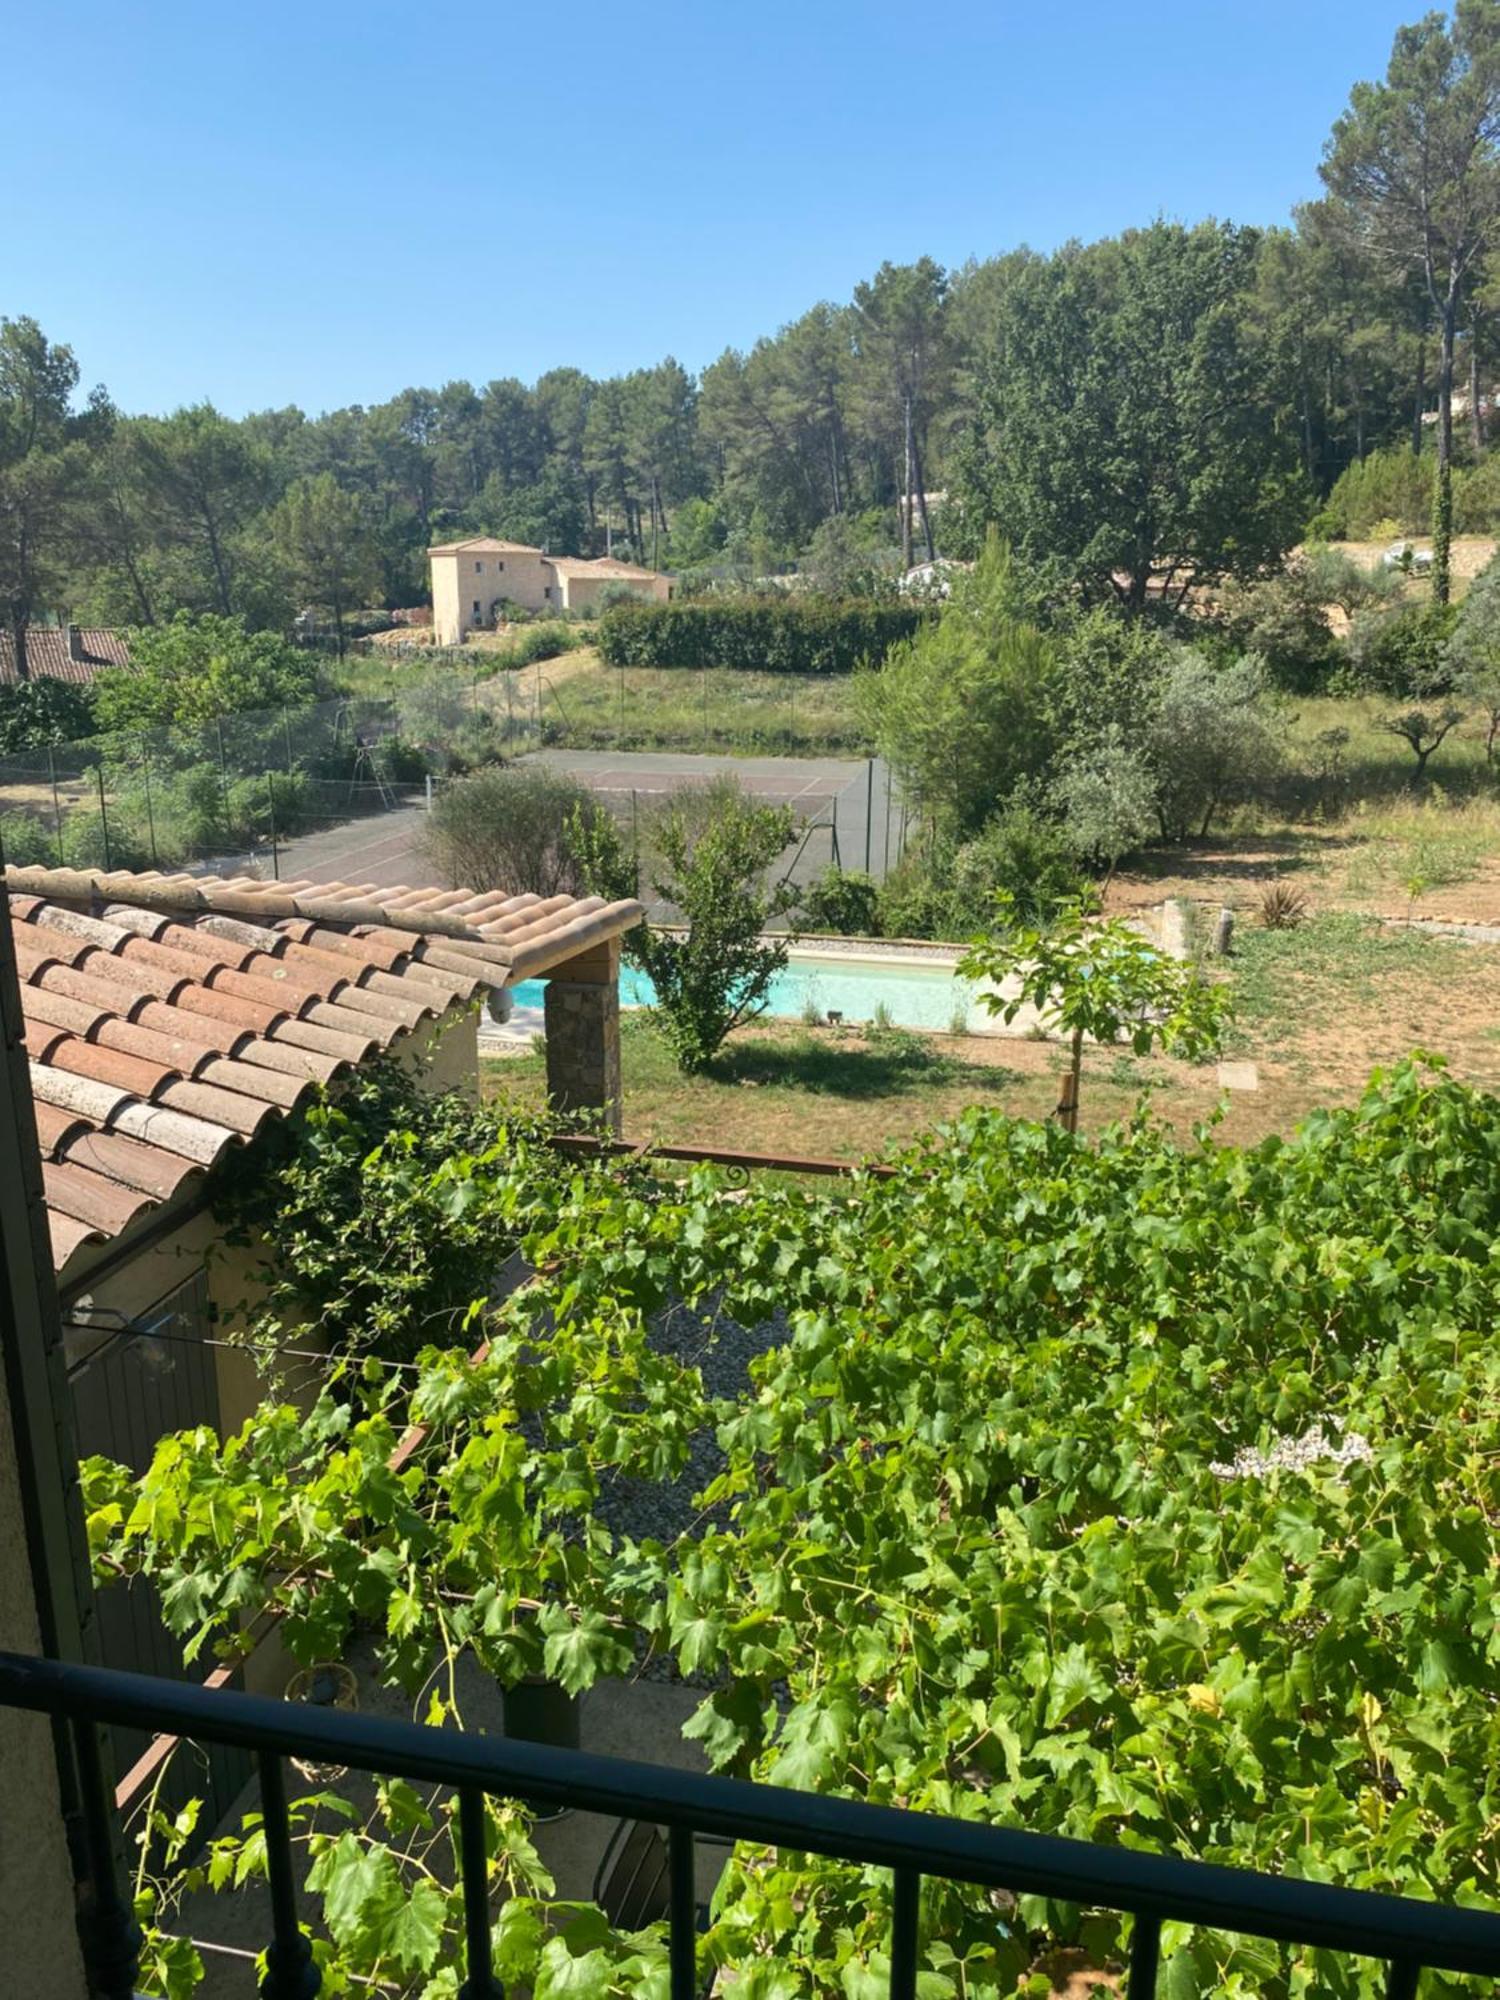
<point>842,901</point>
<point>1106,670</point>
<point>1395,484</point>
<point>966,711</point>
<point>511,830</point>
<point>34,714</point>
<point>1106,795</point>
<point>1023,855</point>
<point>28,842</point>
<point>1402,653</point>
<point>916,898</point>
<point>1473,652</point>
<point>194,669</point>
<point>1209,743</point>
<point>714,847</point>
<point>788,635</point>
<point>536,642</point>
<point>401,762</point>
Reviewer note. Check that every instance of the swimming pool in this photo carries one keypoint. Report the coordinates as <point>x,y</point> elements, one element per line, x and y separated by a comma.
<point>915,995</point>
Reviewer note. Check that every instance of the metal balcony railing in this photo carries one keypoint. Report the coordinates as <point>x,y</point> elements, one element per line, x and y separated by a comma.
<point>1407,1934</point>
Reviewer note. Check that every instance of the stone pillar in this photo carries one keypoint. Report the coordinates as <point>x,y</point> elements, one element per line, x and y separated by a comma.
<point>583,1033</point>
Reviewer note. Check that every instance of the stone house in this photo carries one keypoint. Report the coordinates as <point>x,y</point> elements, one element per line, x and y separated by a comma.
<point>474,580</point>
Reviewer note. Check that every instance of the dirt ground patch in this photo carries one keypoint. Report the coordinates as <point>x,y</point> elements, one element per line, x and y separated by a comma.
<point>1334,868</point>
<point>1468,555</point>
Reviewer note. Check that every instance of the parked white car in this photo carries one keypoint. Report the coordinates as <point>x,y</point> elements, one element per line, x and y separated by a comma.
<point>1405,555</point>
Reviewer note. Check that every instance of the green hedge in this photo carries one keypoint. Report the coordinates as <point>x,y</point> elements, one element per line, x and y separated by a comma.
<point>760,635</point>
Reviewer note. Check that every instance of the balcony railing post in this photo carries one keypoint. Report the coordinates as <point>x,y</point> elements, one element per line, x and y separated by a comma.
<point>290,1972</point>
<point>905,1904</point>
<point>110,1938</point>
<point>480,1982</point>
<point>1401,1980</point>
<point>1145,1957</point>
<point>683,1935</point>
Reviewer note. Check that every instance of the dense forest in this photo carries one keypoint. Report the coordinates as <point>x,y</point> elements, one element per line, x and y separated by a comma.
<point>1173,406</point>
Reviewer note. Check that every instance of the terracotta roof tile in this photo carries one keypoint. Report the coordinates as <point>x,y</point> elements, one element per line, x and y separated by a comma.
<point>106,1205</point>
<point>55,653</point>
<point>169,1017</point>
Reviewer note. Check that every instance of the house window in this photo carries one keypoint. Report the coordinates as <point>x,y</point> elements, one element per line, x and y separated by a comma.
<point>479,569</point>
<point>499,565</point>
<point>477,612</point>
<point>546,590</point>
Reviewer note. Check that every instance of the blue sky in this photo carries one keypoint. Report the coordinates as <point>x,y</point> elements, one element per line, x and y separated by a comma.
<point>323,203</point>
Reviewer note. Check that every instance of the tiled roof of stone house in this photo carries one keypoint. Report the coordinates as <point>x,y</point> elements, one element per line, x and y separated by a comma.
<point>65,653</point>
<point>168,1018</point>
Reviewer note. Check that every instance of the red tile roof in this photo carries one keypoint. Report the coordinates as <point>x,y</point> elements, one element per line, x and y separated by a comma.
<point>168,1018</point>
<point>50,654</point>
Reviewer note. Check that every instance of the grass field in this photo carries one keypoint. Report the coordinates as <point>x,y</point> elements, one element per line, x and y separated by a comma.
<point>667,708</point>
<point>1316,1009</point>
<point>1348,827</point>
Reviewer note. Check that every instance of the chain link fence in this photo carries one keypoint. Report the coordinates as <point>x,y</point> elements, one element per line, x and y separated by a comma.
<point>230,793</point>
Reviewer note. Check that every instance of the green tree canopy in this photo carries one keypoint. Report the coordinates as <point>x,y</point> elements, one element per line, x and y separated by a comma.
<point>1125,422</point>
<point>324,545</point>
<point>193,669</point>
<point>964,712</point>
<point>42,470</point>
<point>1415,160</point>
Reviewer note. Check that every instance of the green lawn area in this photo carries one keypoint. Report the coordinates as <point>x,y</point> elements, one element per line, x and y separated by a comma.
<point>679,708</point>
<point>1316,1009</point>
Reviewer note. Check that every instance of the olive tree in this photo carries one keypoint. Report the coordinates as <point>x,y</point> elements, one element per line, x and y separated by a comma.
<point>515,830</point>
<point>1210,742</point>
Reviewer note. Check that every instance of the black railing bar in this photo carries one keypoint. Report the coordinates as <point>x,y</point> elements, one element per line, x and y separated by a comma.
<point>1401,1980</point>
<point>682,1937</point>
<point>906,1902</point>
<point>474,1867</point>
<point>290,1973</point>
<point>1145,1957</point>
<point>1284,1908</point>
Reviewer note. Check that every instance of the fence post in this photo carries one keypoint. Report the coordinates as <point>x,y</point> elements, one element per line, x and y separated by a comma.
<point>703,671</point>
<point>103,813</point>
<point>286,730</point>
<point>223,778</point>
<point>271,815</point>
<point>150,814</point>
<point>869,806</point>
<point>56,803</point>
<point>885,864</point>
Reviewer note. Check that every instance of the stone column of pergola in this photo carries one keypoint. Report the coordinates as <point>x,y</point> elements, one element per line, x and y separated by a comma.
<point>583,1032</point>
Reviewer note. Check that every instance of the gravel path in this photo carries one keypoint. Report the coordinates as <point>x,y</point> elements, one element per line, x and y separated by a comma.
<point>721,1350</point>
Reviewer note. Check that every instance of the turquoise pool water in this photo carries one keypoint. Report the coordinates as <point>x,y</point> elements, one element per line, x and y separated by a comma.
<point>914,996</point>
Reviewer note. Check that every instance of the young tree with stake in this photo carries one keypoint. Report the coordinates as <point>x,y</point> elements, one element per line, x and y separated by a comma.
<point>1095,978</point>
